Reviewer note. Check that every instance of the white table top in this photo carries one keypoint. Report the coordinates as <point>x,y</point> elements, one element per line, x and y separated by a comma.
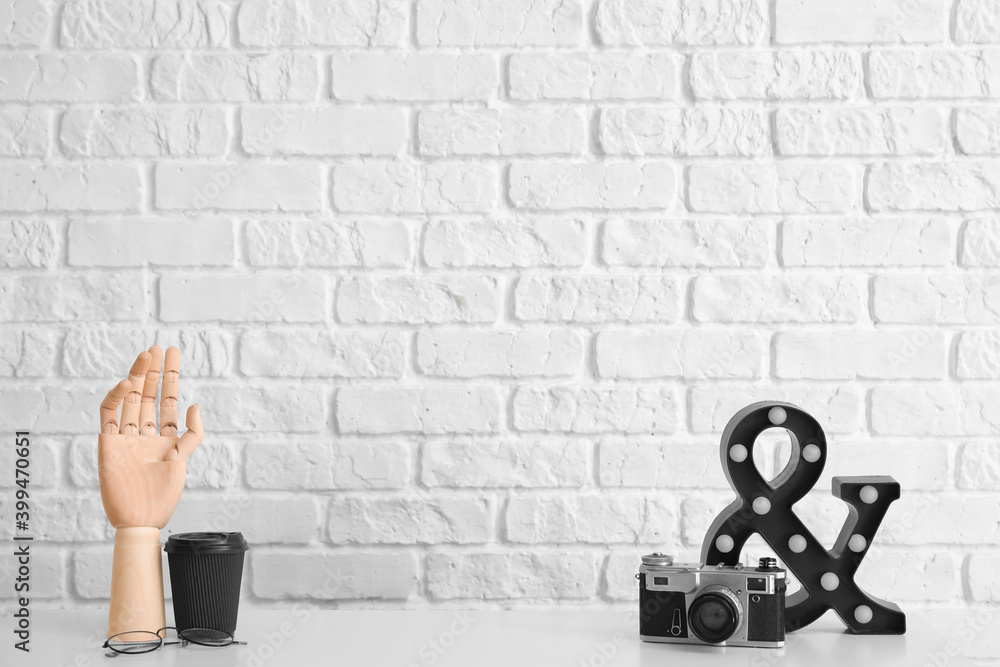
<point>424,638</point>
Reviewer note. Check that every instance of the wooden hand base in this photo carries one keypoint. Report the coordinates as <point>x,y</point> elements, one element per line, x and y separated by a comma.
<point>136,583</point>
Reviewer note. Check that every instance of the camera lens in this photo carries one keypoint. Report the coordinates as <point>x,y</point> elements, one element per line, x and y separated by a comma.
<point>714,615</point>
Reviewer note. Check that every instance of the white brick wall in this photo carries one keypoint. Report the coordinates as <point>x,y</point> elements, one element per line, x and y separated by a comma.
<point>468,291</point>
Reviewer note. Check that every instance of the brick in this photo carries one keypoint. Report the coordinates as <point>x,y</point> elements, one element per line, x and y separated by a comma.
<point>779,298</point>
<point>639,463</point>
<point>505,243</point>
<point>881,131</point>
<point>785,187</point>
<point>861,21</point>
<point>684,132</point>
<point>511,575</point>
<point>923,519</point>
<point>151,242</point>
<point>984,583</point>
<point>45,462</point>
<point>838,408</point>
<point>92,572</point>
<point>316,353</point>
<point>519,353</point>
<point>925,576</point>
<point>978,355</point>
<point>321,466</point>
<point>47,578</point>
<point>843,355</point>
<point>692,354</point>
<point>977,22</point>
<point>29,243</point>
<point>24,131</point>
<point>261,519</point>
<point>238,185</point>
<point>683,22</point>
<point>93,351</point>
<point>824,519</point>
<point>811,74</point>
<point>77,297</point>
<point>597,298</point>
<point>27,353</point>
<point>98,186</point>
<point>609,75</point>
<point>962,186</point>
<point>24,23</point>
<point>977,131</point>
<point>69,78</point>
<point>51,409</point>
<point>569,409</point>
<point>364,23</point>
<point>936,299</point>
<point>340,576</point>
<point>980,243</point>
<point>235,77</point>
<point>591,519</point>
<point>133,131</point>
<point>323,131</point>
<point>917,465</point>
<point>473,131</point>
<point>233,298</point>
<point>866,242</point>
<point>403,187</point>
<point>279,409</point>
<point>414,77</point>
<point>65,519</point>
<point>619,576</point>
<point>934,74</point>
<point>935,410</point>
<point>144,24</point>
<point>428,410</point>
<point>505,464</point>
<point>333,243</point>
<point>368,520</point>
<point>557,186</point>
<point>499,23</point>
<point>418,299</point>
<point>213,465</point>
<point>685,243</point>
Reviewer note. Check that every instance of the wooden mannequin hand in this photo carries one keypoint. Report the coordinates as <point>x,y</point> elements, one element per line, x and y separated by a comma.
<point>142,473</point>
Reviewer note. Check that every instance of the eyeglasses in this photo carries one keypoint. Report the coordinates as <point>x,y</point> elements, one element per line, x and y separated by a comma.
<point>143,641</point>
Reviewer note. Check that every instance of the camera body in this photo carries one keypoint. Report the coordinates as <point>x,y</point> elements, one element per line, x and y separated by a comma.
<point>691,603</point>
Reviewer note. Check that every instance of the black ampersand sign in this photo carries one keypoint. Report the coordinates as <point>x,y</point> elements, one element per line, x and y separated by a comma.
<point>827,577</point>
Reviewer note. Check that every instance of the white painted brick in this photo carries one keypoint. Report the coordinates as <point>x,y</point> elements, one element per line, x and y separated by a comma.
<point>691,354</point>
<point>339,576</point>
<point>916,465</point>
<point>239,298</point>
<point>404,187</point>
<point>77,297</point>
<point>839,409</point>
<point>239,185</point>
<point>511,575</point>
<point>579,298</point>
<point>656,464</point>
<point>369,243</point>
<point>505,243</point>
<point>410,520</point>
<point>924,519</point>
<point>64,519</point>
<point>866,242</point>
<point>847,355</point>
<point>144,24</point>
<point>97,186</point>
<point>98,242</point>
<point>763,75</point>
<point>593,519</point>
<point>428,410</point>
<point>881,131</point>
<point>937,299</point>
<point>978,355</point>
<point>27,353</point>
<point>912,576</point>
<point>502,464</point>
<point>320,466</point>
<point>977,21</point>
<point>823,519</point>
<point>935,410</point>
<point>229,77</point>
<point>474,131</point>
<point>977,130</point>
<point>786,187</point>
<point>213,465</point>
<point>92,572</point>
<point>417,300</point>
<point>779,298</point>
<point>24,22</point>
<point>323,131</point>
<point>619,576</point>
<point>861,21</point>
<point>95,351</point>
<point>934,74</point>
<point>365,23</point>
<point>519,353</point>
<point>305,353</point>
<point>46,578</point>
<point>608,75</point>
<point>651,23</point>
<point>45,462</point>
<point>961,186</point>
<point>980,243</point>
<point>29,243</point>
<point>49,77</point>
<point>735,243</point>
<point>261,519</point>
<point>24,131</point>
<point>683,132</point>
<point>499,23</point>
<point>279,409</point>
<point>609,185</point>
<point>414,77</point>
<point>133,131</point>
<point>984,582</point>
<point>570,409</point>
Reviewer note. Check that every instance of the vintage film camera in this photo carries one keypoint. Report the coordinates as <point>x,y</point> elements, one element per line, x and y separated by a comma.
<point>691,603</point>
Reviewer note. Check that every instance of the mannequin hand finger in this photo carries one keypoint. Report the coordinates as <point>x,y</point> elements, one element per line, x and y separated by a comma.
<point>109,407</point>
<point>130,410</point>
<point>147,409</point>
<point>191,438</point>
<point>168,396</point>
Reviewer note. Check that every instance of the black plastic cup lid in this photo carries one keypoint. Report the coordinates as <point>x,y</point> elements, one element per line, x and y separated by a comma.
<point>205,543</point>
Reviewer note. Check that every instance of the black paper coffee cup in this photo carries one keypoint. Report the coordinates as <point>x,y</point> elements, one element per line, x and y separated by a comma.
<point>206,570</point>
